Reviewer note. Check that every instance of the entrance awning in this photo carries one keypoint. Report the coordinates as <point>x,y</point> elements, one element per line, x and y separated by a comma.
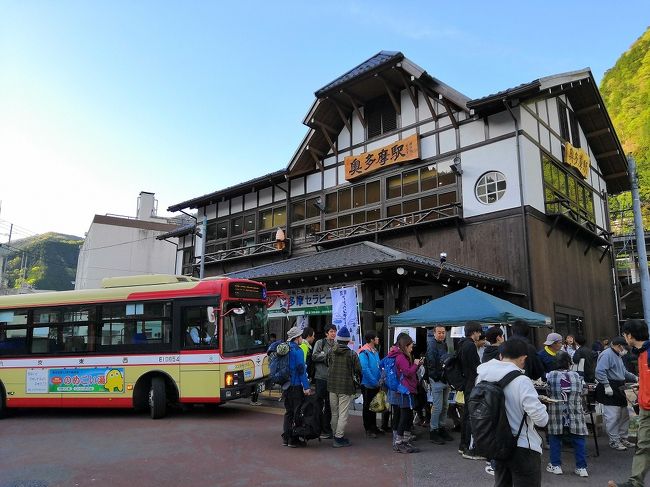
<point>468,304</point>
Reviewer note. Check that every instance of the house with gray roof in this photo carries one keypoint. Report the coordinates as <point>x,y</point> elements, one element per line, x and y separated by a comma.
<point>409,189</point>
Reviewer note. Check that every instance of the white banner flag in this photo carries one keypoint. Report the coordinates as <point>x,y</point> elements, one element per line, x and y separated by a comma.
<point>345,312</point>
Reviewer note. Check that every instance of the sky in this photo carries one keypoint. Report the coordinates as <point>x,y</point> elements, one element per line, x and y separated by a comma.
<point>102,100</point>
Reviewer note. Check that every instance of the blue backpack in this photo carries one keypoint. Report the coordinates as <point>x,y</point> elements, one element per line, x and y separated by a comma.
<point>278,353</point>
<point>389,375</point>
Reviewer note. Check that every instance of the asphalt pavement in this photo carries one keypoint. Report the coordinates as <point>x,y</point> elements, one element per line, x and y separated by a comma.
<point>235,445</point>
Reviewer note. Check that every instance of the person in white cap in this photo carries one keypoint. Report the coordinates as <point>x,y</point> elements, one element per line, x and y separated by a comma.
<point>298,387</point>
<point>552,346</point>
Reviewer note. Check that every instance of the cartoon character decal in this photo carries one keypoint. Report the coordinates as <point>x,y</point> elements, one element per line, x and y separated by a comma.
<point>114,380</point>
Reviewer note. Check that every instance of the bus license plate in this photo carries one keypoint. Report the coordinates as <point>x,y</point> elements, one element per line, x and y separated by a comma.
<point>261,387</point>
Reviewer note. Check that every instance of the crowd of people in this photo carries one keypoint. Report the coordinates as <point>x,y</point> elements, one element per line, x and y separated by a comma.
<point>546,390</point>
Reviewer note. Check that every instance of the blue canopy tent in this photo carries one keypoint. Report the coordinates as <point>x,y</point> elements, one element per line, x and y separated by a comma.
<point>468,304</point>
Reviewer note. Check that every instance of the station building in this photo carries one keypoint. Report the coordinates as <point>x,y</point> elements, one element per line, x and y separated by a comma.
<point>397,168</point>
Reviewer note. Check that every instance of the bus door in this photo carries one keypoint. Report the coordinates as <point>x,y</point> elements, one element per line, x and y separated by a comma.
<point>199,335</point>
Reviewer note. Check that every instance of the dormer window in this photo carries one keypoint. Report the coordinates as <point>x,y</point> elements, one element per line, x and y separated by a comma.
<point>380,116</point>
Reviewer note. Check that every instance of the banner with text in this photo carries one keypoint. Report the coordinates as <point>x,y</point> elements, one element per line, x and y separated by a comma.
<point>346,312</point>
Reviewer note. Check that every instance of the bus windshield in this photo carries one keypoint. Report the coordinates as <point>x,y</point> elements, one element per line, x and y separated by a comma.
<point>245,327</point>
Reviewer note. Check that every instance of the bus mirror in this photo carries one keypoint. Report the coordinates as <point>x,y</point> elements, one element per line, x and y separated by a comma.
<point>211,315</point>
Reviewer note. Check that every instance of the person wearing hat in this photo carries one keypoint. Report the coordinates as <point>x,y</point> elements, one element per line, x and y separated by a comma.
<point>552,346</point>
<point>344,366</point>
<point>298,387</point>
<point>611,376</point>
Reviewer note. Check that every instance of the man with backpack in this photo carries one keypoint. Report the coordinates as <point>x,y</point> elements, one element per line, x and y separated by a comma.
<point>436,353</point>
<point>344,367</point>
<point>319,356</point>
<point>469,361</point>
<point>370,376</point>
<point>298,387</point>
<point>511,440</point>
<point>308,336</point>
<point>534,369</point>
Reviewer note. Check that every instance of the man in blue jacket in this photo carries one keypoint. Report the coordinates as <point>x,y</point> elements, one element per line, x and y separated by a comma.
<point>370,374</point>
<point>298,387</point>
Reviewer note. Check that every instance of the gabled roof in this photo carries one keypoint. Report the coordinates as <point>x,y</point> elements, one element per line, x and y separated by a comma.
<point>231,191</point>
<point>384,74</point>
<point>589,108</point>
<point>362,256</point>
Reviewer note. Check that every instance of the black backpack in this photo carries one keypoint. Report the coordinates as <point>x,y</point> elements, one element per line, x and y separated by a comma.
<point>490,427</point>
<point>307,419</point>
<point>452,371</point>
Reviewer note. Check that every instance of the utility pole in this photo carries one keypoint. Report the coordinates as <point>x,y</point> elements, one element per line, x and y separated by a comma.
<point>204,229</point>
<point>640,239</point>
<point>5,253</point>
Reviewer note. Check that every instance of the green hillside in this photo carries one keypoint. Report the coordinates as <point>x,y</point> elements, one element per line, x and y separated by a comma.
<point>47,261</point>
<point>626,91</point>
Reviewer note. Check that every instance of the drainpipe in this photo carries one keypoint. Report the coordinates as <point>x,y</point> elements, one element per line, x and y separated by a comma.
<point>640,239</point>
<point>523,208</point>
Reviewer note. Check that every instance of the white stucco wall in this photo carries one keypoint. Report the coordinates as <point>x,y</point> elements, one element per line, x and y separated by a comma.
<point>500,156</point>
<point>111,251</point>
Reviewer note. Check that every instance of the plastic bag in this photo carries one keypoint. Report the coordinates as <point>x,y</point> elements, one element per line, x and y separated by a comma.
<point>378,403</point>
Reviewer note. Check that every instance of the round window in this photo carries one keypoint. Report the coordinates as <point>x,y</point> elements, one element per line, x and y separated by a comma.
<point>490,187</point>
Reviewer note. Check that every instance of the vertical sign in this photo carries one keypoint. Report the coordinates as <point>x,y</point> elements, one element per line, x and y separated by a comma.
<point>345,312</point>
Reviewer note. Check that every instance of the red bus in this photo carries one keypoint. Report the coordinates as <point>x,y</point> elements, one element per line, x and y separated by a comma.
<point>143,342</point>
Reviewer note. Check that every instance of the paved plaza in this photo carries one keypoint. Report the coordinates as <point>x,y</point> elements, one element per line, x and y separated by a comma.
<point>234,445</point>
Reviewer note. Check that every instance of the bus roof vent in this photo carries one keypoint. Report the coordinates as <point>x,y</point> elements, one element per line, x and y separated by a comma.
<point>147,280</point>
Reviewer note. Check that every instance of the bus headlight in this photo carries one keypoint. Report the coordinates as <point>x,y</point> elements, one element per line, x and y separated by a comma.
<point>233,379</point>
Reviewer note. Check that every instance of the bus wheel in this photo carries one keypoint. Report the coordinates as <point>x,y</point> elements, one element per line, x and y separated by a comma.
<point>157,398</point>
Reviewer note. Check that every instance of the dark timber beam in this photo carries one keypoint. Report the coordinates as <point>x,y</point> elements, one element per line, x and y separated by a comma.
<point>450,112</point>
<point>390,95</point>
<point>588,109</point>
<point>615,175</point>
<point>330,142</point>
<point>315,158</point>
<point>606,154</point>
<point>412,94</point>
<point>425,94</point>
<point>356,109</point>
<point>344,119</point>
<point>325,126</point>
<point>597,133</point>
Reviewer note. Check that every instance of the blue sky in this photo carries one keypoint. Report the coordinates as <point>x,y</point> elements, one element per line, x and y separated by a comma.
<point>102,100</point>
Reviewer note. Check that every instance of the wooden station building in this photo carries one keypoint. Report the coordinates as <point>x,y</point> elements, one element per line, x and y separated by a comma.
<point>397,167</point>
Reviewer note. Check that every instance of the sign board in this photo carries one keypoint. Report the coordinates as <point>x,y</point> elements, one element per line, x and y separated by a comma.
<point>315,300</point>
<point>577,158</point>
<point>368,162</point>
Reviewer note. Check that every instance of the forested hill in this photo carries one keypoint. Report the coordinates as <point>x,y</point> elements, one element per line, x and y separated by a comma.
<point>626,91</point>
<point>47,261</point>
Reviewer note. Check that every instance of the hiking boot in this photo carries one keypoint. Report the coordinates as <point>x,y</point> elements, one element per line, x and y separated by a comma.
<point>581,472</point>
<point>434,437</point>
<point>371,434</point>
<point>489,470</point>
<point>413,448</point>
<point>340,442</point>
<point>472,455</point>
<point>409,437</point>
<point>444,434</point>
<point>326,436</point>
<point>297,444</point>
<point>554,469</point>
<point>617,445</point>
<point>402,448</point>
<point>625,442</point>
<point>380,431</point>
